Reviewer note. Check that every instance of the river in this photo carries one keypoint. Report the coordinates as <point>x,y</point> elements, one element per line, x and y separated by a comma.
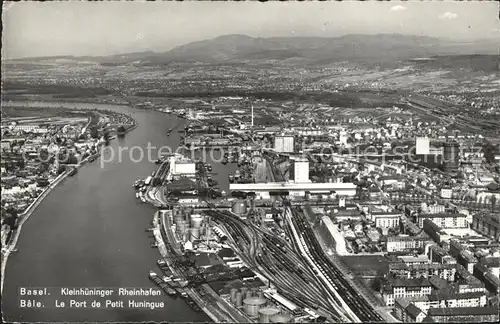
<point>89,232</point>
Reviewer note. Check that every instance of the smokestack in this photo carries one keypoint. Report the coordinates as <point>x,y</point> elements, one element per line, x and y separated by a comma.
<point>252,114</point>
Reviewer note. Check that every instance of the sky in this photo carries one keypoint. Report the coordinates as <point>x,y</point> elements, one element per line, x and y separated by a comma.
<point>114,27</point>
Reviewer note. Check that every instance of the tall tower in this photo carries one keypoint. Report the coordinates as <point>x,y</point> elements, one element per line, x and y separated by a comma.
<point>252,113</point>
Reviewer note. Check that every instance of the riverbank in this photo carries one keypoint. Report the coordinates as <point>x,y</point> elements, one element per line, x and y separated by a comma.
<point>10,246</point>
<point>89,230</point>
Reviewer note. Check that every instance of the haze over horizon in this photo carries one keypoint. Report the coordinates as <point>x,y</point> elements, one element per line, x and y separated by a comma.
<point>33,29</point>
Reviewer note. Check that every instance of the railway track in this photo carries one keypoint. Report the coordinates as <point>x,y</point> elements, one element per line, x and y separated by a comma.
<point>279,262</point>
<point>359,306</point>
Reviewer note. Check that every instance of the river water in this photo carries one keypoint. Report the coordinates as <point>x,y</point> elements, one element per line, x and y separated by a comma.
<point>89,232</point>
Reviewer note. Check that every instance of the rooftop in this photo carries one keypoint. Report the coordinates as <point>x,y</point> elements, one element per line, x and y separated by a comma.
<point>403,282</point>
<point>413,310</point>
<point>462,311</point>
<point>439,215</point>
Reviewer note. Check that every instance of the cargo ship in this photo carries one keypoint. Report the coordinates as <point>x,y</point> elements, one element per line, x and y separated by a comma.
<point>159,282</point>
<point>138,184</point>
<point>73,172</point>
<point>193,304</point>
<point>120,131</point>
<point>164,268</point>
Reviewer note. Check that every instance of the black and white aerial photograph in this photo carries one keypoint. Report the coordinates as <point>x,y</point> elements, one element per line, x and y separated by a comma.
<point>250,161</point>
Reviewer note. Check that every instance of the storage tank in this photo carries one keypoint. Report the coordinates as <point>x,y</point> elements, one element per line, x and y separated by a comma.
<point>239,299</point>
<point>239,207</point>
<point>208,231</point>
<point>232,293</point>
<point>195,234</point>
<point>248,294</point>
<point>243,291</point>
<point>266,313</point>
<point>196,221</point>
<point>260,294</point>
<point>252,305</point>
<point>280,318</point>
<point>178,218</point>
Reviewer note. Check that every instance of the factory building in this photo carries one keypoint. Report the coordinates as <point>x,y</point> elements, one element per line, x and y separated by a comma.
<point>451,154</point>
<point>332,235</point>
<point>300,170</point>
<point>181,166</point>
<point>263,190</point>
<point>422,145</point>
<point>284,144</point>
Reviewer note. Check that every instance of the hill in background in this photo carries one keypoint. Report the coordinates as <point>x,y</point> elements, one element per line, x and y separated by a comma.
<point>368,49</point>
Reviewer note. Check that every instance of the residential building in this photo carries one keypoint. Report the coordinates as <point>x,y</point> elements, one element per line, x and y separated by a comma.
<point>444,220</point>
<point>491,281</point>
<point>414,259</point>
<point>435,232</point>
<point>462,314</point>
<point>487,224</point>
<point>407,312</point>
<point>466,282</point>
<point>445,299</point>
<point>389,219</point>
<point>403,288</point>
<point>426,270</point>
<point>405,243</point>
<point>467,260</point>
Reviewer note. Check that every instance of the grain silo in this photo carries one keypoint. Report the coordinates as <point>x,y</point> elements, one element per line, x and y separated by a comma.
<point>280,318</point>
<point>195,234</point>
<point>178,218</point>
<point>239,207</point>
<point>232,293</point>
<point>266,313</point>
<point>252,306</point>
<point>248,294</point>
<point>239,299</point>
<point>196,221</point>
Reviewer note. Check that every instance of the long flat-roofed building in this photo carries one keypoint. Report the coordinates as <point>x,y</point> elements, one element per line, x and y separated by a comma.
<point>297,189</point>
